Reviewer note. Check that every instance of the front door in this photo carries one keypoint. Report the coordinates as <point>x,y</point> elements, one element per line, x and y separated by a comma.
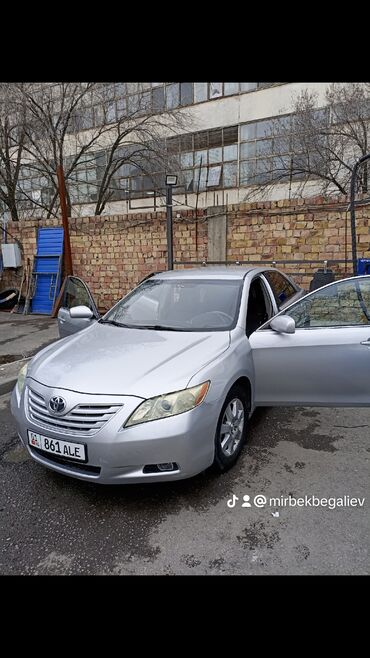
<point>327,360</point>
<point>76,293</point>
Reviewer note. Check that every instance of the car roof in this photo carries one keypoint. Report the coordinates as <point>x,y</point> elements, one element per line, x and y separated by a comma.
<point>210,272</point>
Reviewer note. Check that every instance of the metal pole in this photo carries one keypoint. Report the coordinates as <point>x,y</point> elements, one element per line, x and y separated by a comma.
<point>352,207</point>
<point>169,227</point>
<point>63,205</point>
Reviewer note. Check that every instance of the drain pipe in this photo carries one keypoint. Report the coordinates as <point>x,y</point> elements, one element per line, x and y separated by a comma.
<point>352,207</point>
<point>3,241</point>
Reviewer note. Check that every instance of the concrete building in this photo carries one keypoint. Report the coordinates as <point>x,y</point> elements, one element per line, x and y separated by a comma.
<point>222,153</point>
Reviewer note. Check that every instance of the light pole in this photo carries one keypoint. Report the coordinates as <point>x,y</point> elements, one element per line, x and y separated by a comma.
<point>352,206</point>
<point>171,180</point>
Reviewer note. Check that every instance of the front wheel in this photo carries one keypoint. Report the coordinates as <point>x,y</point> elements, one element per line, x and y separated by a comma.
<point>231,429</point>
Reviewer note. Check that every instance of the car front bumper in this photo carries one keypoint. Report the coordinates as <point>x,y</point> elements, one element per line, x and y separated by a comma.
<point>116,456</point>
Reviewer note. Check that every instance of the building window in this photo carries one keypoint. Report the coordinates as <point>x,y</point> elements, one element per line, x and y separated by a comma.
<point>186,93</point>
<point>158,99</point>
<point>172,95</point>
<point>230,152</point>
<point>230,135</point>
<point>215,155</point>
<point>248,86</point>
<point>200,92</point>
<point>215,89</point>
<point>87,118</point>
<point>267,152</point>
<point>214,176</point>
<point>215,137</point>
<point>252,86</point>
<point>230,174</point>
<point>111,113</point>
<point>187,160</point>
<point>133,104</point>
<point>231,88</point>
<point>201,140</point>
<point>121,108</point>
<point>201,158</point>
<point>213,161</point>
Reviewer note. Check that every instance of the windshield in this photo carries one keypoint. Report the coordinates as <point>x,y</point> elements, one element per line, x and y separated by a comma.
<point>180,305</point>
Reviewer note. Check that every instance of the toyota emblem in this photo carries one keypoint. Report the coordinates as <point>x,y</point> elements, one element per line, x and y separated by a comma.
<point>57,404</point>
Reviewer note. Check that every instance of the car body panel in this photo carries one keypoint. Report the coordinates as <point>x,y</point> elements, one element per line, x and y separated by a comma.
<point>109,360</point>
<point>319,366</point>
<point>121,455</point>
<point>315,366</point>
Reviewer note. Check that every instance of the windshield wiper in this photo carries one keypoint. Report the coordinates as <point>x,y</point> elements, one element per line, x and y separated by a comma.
<point>115,323</point>
<point>158,327</point>
<point>155,327</point>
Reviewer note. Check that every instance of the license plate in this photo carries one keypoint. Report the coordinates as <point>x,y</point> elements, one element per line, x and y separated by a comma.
<point>57,447</point>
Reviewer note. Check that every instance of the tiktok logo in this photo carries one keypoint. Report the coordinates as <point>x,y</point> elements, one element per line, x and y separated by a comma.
<point>232,501</point>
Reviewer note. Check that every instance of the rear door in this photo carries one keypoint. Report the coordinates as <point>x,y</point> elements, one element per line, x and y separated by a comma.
<point>76,293</point>
<point>326,362</point>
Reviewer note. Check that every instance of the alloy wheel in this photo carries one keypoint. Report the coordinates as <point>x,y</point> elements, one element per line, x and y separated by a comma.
<point>232,425</point>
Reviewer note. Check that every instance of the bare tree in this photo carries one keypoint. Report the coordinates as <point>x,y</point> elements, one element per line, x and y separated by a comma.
<point>55,115</point>
<point>12,137</point>
<point>136,142</point>
<point>92,135</point>
<point>316,144</point>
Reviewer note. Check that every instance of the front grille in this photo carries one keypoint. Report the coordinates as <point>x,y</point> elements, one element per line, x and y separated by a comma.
<point>73,466</point>
<point>84,419</point>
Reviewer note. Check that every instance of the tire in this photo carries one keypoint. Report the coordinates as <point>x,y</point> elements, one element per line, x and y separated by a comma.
<point>228,449</point>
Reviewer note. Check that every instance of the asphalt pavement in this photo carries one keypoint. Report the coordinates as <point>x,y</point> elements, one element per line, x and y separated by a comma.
<point>51,524</point>
<point>22,336</point>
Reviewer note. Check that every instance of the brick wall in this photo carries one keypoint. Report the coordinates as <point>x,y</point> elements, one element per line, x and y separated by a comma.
<point>113,253</point>
<point>306,229</point>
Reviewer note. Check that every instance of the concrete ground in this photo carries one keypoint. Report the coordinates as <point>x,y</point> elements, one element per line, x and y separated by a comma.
<point>21,336</point>
<point>51,524</point>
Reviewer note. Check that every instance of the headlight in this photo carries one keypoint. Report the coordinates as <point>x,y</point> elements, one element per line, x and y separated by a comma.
<point>22,378</point>
<point>171,404</point>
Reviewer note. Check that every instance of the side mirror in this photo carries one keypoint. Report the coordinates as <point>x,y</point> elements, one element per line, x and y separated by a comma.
<point>81,312</point>
<point>283,324</point>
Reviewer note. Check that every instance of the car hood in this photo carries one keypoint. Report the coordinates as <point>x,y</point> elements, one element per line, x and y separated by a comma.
<point>109,360</point>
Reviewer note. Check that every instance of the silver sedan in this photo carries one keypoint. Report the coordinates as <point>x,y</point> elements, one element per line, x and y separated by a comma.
<point>163,385</point>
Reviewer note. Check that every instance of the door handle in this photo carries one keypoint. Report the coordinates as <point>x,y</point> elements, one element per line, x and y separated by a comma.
<point>366,342</point>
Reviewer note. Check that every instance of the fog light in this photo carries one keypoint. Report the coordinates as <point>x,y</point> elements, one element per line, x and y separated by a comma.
<point>166,466</point>
<point>161,468</point>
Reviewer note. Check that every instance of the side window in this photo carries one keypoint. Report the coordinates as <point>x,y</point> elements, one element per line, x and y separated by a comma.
<point>340,304</point>
<point>76,294</point>
<point>259,306</point>
<point>281,287</point>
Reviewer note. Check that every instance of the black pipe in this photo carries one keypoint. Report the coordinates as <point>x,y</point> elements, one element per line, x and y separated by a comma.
<point>352,206</point>
<point>169,227</point>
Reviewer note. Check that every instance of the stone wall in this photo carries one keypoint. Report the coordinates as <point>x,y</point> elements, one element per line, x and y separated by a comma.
<point>113,253</point>
<point>301,230</point>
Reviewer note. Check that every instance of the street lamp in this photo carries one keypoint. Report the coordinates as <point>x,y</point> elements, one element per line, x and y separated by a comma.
<point>171,180</point>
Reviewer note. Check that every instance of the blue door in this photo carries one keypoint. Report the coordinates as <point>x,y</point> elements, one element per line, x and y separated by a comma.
<point>47,269</point>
